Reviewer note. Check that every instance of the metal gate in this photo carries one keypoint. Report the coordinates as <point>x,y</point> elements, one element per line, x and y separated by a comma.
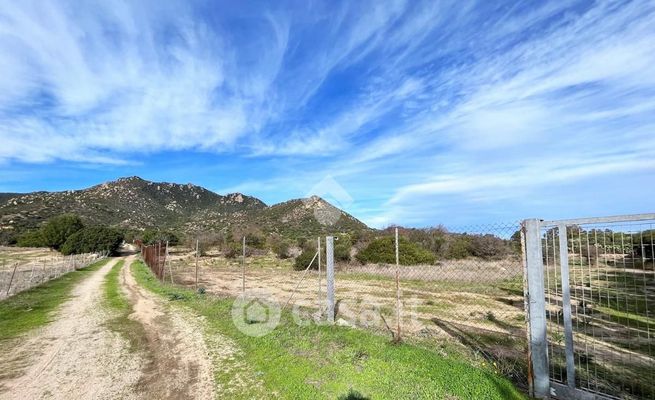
<point>591,293</point>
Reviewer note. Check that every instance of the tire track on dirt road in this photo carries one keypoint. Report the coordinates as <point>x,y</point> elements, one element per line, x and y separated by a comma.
<point>76,356</point>
<point>179,364</point>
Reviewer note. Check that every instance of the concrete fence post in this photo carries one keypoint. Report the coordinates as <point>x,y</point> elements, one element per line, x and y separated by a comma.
<point>536,308</point>
<point>243,266</point>
<point>329,255</point>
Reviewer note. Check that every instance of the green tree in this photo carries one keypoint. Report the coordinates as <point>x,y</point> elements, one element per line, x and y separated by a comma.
<point>93,239</point>
<point>33,238</point>
<point>57,230</point>
<point>459,246</point>
<point>489,246</point>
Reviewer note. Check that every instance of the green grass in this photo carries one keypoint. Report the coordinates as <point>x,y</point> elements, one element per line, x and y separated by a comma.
<point>34,307</point>
<point>114,299</point>
<point>118,304</point>
<point>321,362</point>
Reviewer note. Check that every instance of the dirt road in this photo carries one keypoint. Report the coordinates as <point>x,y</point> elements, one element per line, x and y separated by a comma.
<point>79,357</point>
<point>178,364</point>
<point>75,356</point>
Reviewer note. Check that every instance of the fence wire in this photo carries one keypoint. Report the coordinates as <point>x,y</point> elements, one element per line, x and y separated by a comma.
<point>612,289</point>
<point>25,268</point>
<point>470,293</point>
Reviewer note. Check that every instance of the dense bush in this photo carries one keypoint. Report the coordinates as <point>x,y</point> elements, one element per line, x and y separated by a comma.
<point>235,249</point>
<point>432,239</point>
<point>256,241</point>
<point>33,238</point>
<point>57,230</point>
<point>303,260</point>
<point>8,237</point>
<point>53,234</point>
<point>342,247</point>
<point>489,246</point>
<point>383,250</point>
<point>458,246</point>
<point>93,239</point>
<point>281,248</point>
<point>205,241</point>
<point>151,236</point>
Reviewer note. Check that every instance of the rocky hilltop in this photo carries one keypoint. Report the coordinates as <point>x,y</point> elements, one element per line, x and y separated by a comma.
<point>135,203</point>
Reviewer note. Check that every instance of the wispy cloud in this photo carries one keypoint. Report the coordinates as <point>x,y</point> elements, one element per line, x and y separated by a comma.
<point>466,104</point>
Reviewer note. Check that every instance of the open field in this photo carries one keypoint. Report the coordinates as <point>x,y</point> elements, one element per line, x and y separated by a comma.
<point>24,268</point>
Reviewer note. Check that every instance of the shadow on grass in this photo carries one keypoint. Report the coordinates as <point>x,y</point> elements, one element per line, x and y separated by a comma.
<point>499,349</point>
<point>353,395</point>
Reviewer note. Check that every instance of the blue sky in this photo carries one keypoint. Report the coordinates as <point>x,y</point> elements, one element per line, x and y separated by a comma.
<point>421,112</point>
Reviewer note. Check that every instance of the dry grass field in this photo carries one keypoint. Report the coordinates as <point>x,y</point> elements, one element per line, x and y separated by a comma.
<point>22,267</point>
<point>474,302</point>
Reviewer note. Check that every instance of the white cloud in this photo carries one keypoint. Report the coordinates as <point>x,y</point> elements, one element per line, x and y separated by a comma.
<point>401,99</point>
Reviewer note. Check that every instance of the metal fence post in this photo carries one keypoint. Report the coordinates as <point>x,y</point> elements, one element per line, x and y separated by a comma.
<point>329,250</point>
<point>566,305</point>
<point>537,308</point>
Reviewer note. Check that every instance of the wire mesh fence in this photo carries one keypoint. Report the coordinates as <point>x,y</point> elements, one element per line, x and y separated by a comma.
<point>25,268</point>
<point>459,285</point>
<point>611,284</point>
<point>472,293</point>
<point>466,286</point>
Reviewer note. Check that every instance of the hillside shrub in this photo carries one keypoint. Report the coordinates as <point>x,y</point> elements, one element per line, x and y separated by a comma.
<point>488,247</point>
<point>93,239</point>
<point>342,248</point>
<point>458,247</point>
<point>255,240</point>
<point>235,250</point>
<point>282,249</point>
<point>432,239</point>
<point>152,236</point>
<point>383,250</point>
<point>303,260</point>
<point>8,237</point>
<point>57,230</point>
<point>205,241</point>
<point>33,238</point>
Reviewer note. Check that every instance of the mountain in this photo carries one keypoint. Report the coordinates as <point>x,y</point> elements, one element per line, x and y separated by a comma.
<point>306,217</point>
<point>135,203</point>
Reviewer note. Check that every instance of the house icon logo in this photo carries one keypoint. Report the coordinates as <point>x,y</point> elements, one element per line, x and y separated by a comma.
<point>256,314</point>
